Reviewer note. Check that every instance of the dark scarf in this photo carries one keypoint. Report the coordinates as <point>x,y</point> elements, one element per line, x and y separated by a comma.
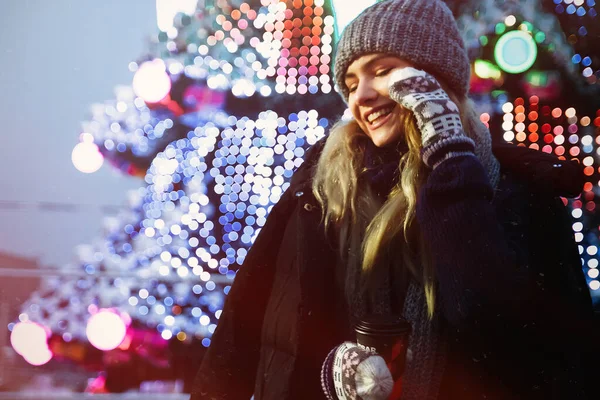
<point>426,354</point>
<point>381,167</point>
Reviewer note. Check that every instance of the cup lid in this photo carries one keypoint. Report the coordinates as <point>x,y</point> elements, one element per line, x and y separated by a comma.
<point>383,324</point>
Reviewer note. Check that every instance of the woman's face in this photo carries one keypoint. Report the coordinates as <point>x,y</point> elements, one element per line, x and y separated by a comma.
<point>369,100</point>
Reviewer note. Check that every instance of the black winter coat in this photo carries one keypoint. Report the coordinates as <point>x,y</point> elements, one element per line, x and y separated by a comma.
<point>512,312</point>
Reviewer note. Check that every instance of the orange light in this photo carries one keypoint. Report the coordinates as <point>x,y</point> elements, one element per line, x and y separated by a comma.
<point>533,128</point>
<point>559,150</point>
<point>533,116</point>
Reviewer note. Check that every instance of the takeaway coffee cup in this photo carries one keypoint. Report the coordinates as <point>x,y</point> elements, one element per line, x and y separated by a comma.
<point>388,337</point>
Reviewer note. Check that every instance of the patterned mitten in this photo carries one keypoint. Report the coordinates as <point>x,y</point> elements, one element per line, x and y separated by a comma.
<point>352,373</point>
<point>437,116</point>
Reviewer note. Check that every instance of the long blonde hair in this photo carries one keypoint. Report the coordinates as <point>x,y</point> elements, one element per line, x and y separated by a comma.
<point>371,233</point>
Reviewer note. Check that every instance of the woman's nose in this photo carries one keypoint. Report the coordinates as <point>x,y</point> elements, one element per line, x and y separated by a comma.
<point>365,92</point>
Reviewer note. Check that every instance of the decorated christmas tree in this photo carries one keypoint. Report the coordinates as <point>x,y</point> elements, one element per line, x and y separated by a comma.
<point>220,113</point>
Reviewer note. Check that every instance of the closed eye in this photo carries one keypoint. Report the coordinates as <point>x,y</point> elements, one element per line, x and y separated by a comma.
<point>383,72</point>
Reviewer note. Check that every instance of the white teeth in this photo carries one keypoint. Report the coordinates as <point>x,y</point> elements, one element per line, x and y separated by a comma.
<point>377,114</point>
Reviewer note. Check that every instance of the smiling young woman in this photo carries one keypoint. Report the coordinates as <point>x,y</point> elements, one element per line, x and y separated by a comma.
<point>405,211</point>
<point>377,115</point>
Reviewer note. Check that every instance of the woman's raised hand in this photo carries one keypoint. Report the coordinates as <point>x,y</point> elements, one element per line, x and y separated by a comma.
<point>421,93</point>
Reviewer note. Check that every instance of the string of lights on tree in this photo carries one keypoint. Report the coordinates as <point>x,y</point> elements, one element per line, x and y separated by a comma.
<point>219,114</point>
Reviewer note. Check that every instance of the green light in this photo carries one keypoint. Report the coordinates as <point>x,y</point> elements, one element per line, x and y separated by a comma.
<point>500,28</point>
<point>515,52</point>
<point>487,70</point>
<point>483,40</point>
<point>526,26</point>
<point>537,78</point>
<point>540,37</point>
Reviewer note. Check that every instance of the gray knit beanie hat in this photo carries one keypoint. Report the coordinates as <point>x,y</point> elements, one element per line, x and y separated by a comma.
<point>422,32</point>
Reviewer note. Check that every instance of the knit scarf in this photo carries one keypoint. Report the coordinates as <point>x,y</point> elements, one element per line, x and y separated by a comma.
<point>426,355</point>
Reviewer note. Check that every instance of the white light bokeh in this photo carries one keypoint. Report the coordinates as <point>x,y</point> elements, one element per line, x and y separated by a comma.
<point>151,81</point>
<point>105,330</point>
<point>30,340</point>
<point>86,157</point>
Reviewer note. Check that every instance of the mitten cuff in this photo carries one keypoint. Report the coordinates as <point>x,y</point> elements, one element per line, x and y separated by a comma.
<point>327,375</point>
<point>444,147</point>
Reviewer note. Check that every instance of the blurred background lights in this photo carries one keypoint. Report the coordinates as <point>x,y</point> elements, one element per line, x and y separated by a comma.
<point>151,81</point>
<point>167,9</point>
<point>515,52</point>
<point>486,70</point>
<point>86,157</point>
<point>30,340</point>
<point>38,356</point>
<point>105,330</point>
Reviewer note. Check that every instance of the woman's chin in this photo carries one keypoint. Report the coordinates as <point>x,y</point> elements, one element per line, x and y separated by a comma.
<point>385,139</point>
